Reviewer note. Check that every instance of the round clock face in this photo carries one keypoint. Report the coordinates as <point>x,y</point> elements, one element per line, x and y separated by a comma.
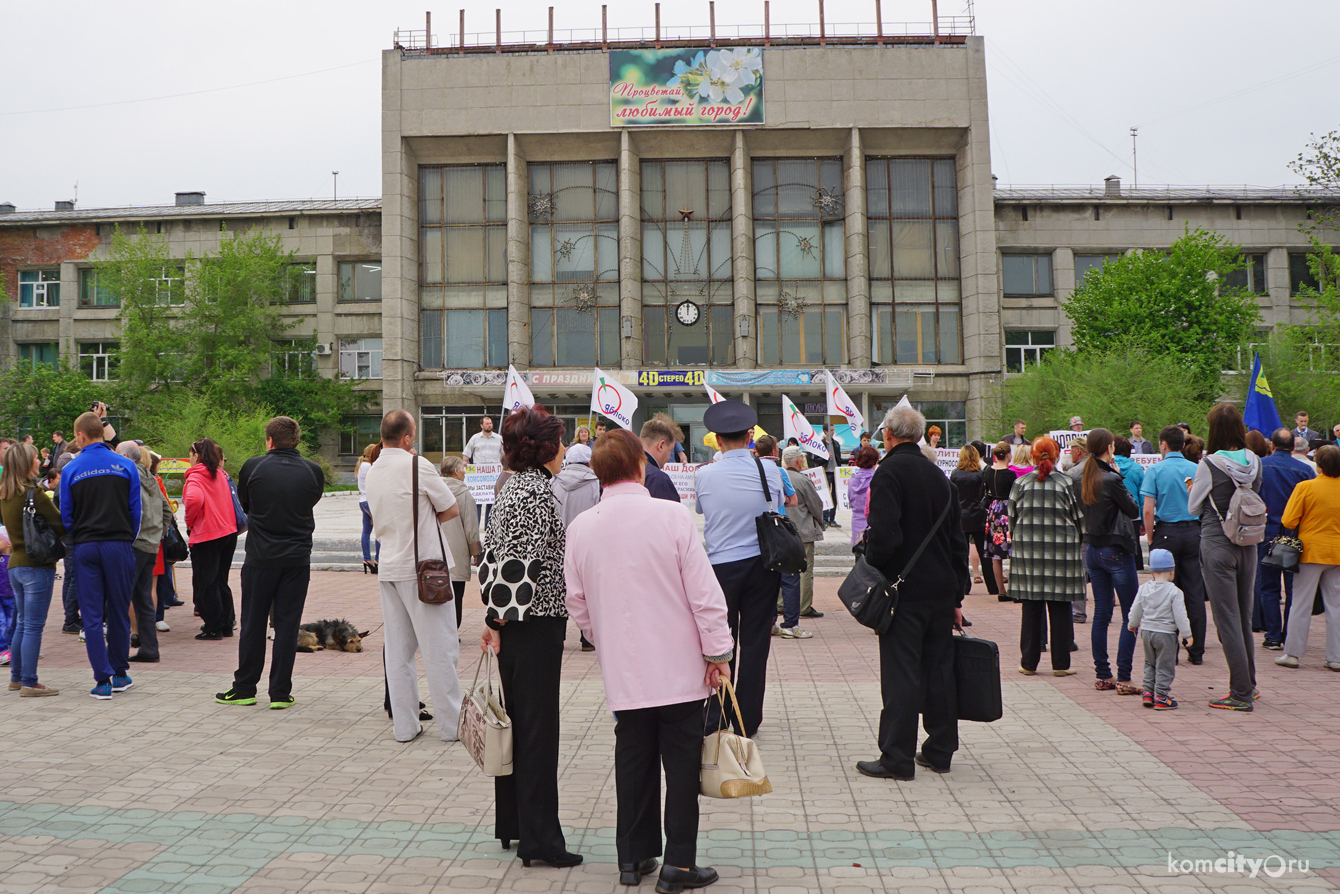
<point>687,313</point>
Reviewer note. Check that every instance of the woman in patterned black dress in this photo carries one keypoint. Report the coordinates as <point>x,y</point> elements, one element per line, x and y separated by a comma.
<point>527,623</point>
<point>999,478</point>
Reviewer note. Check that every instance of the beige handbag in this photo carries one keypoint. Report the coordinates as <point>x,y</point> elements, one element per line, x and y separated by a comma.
<point>732,767</point>
<point>485,729</point>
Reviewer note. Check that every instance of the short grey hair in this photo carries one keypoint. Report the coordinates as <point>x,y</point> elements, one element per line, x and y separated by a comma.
<point>905,423</point>
<point>791,454</point>
<point>130,450</point>
<point>1300,445</point>
<point>450,465</point>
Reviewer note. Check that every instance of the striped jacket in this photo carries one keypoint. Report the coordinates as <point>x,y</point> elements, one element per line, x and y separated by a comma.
<point>1046,560</point>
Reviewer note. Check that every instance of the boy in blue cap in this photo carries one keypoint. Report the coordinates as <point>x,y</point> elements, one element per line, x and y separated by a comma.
<point>1159,614</point>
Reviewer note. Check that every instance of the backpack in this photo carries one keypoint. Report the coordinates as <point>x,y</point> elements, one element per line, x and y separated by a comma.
<point>1245,523</point>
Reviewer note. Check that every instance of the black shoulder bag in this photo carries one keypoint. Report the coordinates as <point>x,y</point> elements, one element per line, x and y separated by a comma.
<point>39,540</point>
<point>869,595</point>
<point>779,543</point>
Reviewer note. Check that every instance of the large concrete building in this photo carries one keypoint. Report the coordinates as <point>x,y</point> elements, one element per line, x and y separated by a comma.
<point>832,209</point>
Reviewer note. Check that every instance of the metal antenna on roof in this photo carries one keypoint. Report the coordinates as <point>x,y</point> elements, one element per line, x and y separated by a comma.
<point>1135,166</point>
<point>336,189</point>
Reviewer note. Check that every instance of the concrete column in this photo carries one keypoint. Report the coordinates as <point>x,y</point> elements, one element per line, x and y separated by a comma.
<point>400,274</point>
<point>859,342</point>
<point>518,256</point>
<point>1063,283</point>
<point>630,252</point>
<point>69,303</point>
<point>1277,278</point>
<point>327,301</point>
<point>742,253</point>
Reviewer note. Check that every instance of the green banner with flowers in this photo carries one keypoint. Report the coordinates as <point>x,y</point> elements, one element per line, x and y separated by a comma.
<point>686,86</point>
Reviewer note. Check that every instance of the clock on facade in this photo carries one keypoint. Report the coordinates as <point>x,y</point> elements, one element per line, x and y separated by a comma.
<point>687,312</point>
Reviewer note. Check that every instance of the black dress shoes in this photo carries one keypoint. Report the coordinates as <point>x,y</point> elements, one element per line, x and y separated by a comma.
<point>674,880</point>
<point>561,860</point>
<point>812,613</point>
<point>631,873</point>
<point>922,762</point>
<point>140,656</point>
<point>876,769</point>
<point>209,635</point>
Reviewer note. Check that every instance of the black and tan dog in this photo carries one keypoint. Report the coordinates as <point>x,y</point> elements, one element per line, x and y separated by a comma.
<point>336,634</point>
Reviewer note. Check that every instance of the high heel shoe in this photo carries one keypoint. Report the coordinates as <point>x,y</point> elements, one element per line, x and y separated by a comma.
<point>561,860</point>
<point>374,566</point>
<point>367,566</point>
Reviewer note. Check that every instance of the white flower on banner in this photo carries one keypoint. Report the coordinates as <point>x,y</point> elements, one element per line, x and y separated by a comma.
<point>736,68</point>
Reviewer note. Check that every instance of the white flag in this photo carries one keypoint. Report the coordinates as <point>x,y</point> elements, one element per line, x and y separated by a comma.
<point>612,400</point>
<point>839,404</point>
<point>517,393</point>
<point>907,403</point>
<point>712,394</point>
<point>795,425</point>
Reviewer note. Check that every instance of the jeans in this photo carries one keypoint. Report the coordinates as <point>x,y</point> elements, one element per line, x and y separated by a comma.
<point>790,600</point>
<point>32,598</point>
<point>1110,568</point>
<point>367,535</point>
<point>69,600</point>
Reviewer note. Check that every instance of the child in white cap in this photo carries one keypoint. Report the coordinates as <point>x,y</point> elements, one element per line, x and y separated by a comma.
<point>1159,614</point>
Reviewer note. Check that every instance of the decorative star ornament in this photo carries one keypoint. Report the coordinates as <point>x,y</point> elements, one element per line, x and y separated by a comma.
<point>584,297</point>
<point>541,205</point>
<point>791,305</point>
<point>686,213</point>
<point>806,246</point>
<point>828,201</point>
<point>565,249</point>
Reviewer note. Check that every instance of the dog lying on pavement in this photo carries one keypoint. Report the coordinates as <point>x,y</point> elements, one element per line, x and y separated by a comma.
<point>337,634</point>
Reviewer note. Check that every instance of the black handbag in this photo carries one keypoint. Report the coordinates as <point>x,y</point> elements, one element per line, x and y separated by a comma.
<point>1284,552</point>
<point>869,595</point>
<point>977,679</point>
<point>174,545</point>
<point>39,540</point>
<point>779,543</point>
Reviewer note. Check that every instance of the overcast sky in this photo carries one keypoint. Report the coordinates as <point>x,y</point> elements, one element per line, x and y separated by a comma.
<point>280,93</point>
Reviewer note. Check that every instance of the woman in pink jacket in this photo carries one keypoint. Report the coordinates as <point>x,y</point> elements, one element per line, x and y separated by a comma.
<point>640,586</point>
<point>212,531</point>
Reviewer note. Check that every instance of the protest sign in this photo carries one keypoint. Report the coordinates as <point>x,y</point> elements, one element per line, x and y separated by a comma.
<point>481,480</point>
<point>682,475</point>
<point>820,481</point>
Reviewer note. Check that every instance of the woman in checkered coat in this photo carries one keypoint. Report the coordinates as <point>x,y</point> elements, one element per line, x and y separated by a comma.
<point>1046,561</point>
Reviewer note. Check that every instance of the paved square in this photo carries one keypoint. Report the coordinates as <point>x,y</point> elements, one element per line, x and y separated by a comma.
<point>1074,790</point>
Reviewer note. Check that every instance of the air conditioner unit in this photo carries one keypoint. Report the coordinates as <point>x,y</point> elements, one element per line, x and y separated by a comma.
<point>322,348</point>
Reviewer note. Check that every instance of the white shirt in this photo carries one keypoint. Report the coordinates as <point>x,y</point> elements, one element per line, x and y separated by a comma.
<point>484,449</point>
<point>388,490</point>
<point>363,482</point>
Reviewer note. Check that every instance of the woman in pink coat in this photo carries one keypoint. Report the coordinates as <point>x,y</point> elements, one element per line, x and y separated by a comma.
<point>640,586</point>
<point>212,530</point>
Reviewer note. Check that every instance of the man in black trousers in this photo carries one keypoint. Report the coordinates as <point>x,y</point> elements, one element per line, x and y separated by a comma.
<point>911,503</point>
<point>278,492</point>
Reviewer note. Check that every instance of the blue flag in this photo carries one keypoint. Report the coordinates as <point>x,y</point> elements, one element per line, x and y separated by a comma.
<point>1260,412</point>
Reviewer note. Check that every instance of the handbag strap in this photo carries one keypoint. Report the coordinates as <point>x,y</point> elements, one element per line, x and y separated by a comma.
<point>763,483</point>
<point>488,656</point>
<point>944,513</point>
<point>721,721</point>
<point>414,500</point>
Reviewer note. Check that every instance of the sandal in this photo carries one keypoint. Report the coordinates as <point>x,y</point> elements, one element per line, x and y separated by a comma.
<point>1104,685</point>
<point>977,579</point>
<point>1128,689</point>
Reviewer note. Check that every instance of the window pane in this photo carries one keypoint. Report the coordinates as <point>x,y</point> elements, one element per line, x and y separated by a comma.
<point>575,337</point>
<point>463,249</point>
<point>835,336</point>
<point>653,334</point>
<point>1017,274</point>
<point>913,254</point>
<point>497,321</point>
<point>946,249</point>
<point>877,187</point>
<point>463,343</point>
<point>835,254</point>
<point>722,337</point>
<point>883,319</point>
<point>542,337</point>
<point>607,319</point>
<point>946,189</point>
<point>880,264</point>
<point>1044,268</point>
<point>464,194</point>
<point>430,333</point>
<point>769,341</point>
<point>688,344</point>
<point>911,187</point>
<point>430,256</point>
<point>908,333</point>
<point>790,329</point>
<point>1014,360</point>
<point>950,351</point>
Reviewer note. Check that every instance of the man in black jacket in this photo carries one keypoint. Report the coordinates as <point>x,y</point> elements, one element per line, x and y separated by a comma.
<point>278,492</point>
<point>910,501</point>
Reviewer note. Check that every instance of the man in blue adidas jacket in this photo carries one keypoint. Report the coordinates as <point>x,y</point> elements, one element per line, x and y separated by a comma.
<point>100,506</point>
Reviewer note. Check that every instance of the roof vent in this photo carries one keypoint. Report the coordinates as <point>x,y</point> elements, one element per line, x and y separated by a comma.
<point>994,181</point>
<point>1112,186</point>
<point>65,206</point>
<point>190,198</point>
<point>6,207</point>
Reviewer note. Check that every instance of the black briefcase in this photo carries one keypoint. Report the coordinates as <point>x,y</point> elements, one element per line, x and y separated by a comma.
<point>977,679</point>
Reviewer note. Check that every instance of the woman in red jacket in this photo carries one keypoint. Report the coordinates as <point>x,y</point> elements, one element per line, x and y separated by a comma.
<point>212,532</point>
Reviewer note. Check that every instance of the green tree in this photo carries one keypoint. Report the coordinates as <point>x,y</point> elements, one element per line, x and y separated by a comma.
<point>318,404</point>
<point>1173,303</point>
<point>1319,166</point>
<point>155,334</point>
<point>1108,388</point>
<point>171,430</point>
<point>41,400</point>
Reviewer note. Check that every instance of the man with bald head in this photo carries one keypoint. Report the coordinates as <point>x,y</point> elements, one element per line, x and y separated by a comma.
<point>155,517</point>
<point>100,507</point>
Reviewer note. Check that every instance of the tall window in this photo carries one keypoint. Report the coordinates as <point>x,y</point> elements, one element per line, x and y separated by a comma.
<point>358,432</point>
<point>39,288</point>
<point>97,359</point>
<point>1085,263</point>
<point>31,356</point>
<point>292,359</point>
<point>1027,347</point>
<point>463,266</point>
<point>1251,278</point>
<point>361,280</point>
<point>1301,278</point>
<point>1026,276</point>
<point>170,287</point>
<point>300,283</point>
<point>686,263</point>
<point>800,265</point>
<point>361,358</point>
<point>914,260</point>
<point>574,263</point>
<point>92,293</point>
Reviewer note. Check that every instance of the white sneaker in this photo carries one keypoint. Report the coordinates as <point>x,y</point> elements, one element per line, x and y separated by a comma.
<point>162,626</point>
<point>795,633</point>
<point>1333,665</point>
<point>81,636</point>
<point>1287,661</point>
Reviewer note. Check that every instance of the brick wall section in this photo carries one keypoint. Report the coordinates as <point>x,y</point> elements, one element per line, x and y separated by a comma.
<point>25,247</point>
